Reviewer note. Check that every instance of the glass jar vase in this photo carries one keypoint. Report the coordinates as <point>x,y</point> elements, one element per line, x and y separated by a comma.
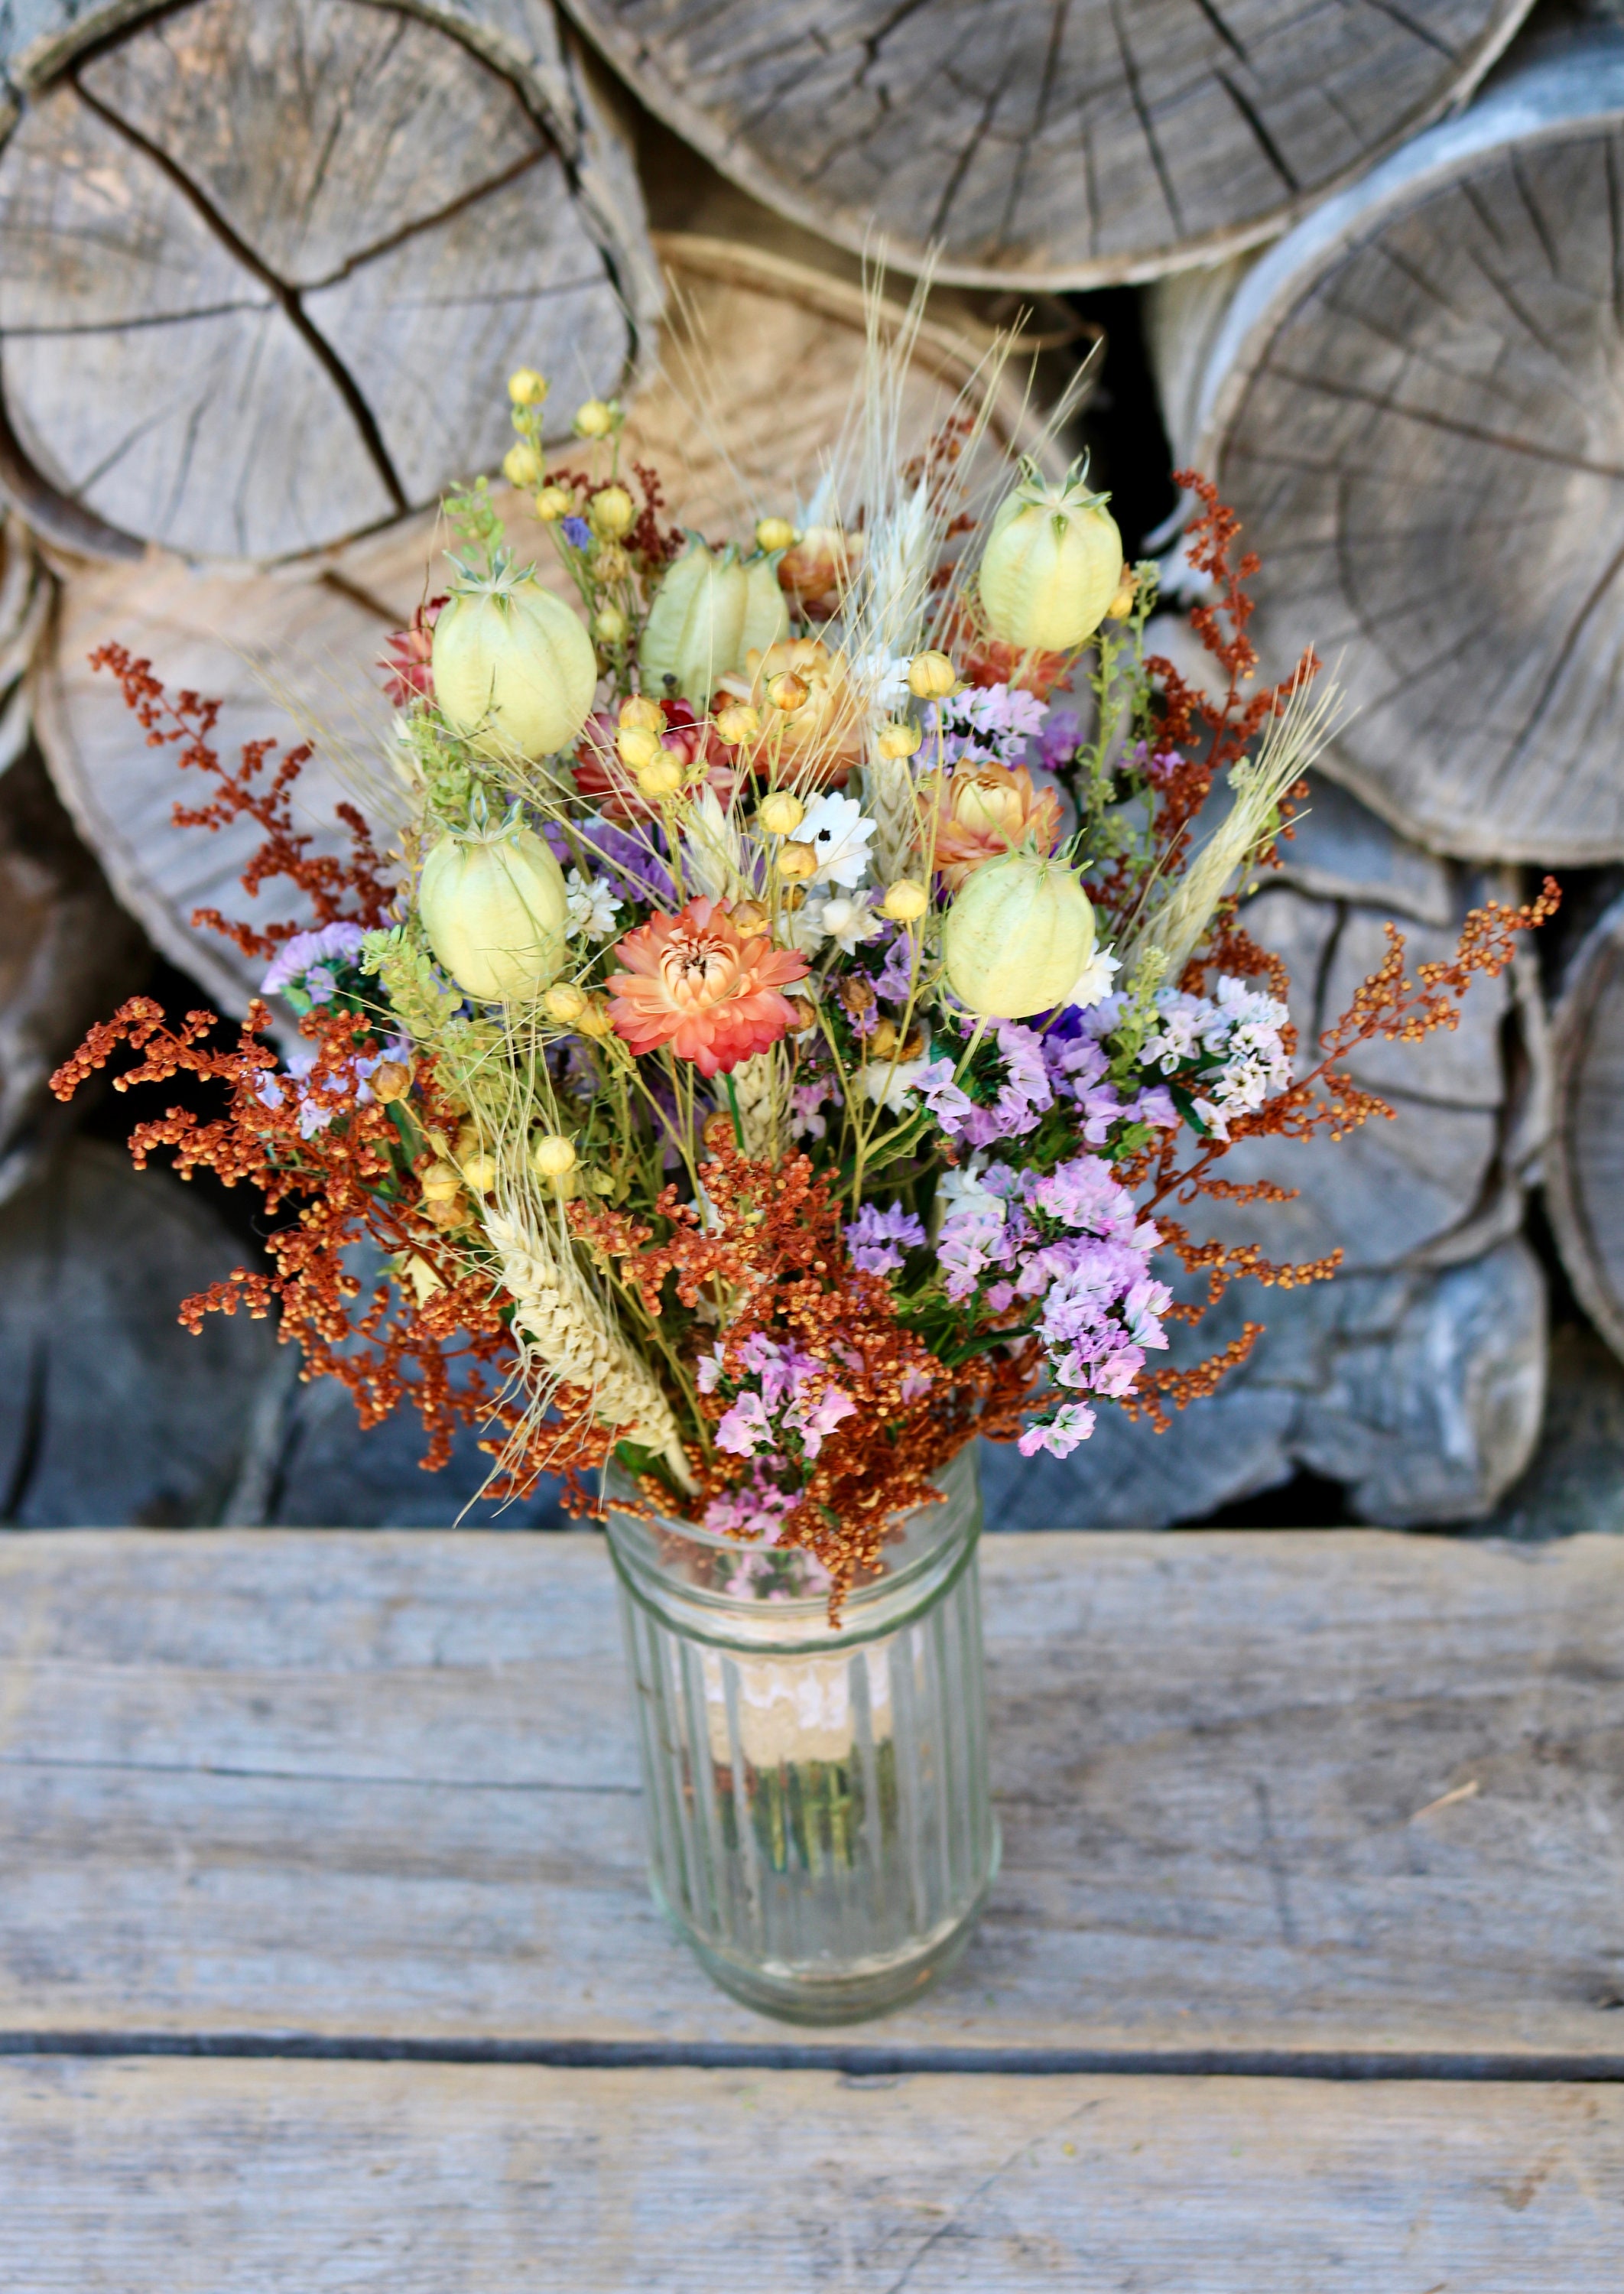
<point>819,1826</point>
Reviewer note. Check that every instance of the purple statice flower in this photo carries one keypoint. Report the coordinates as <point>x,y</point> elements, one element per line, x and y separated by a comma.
<point>632,857</point>
<point>815,1417</point>
<point>806,1101</point>
<point>298,955</point>
<point>1022,1097</point>
<point>894,980</point>
<point>943,1097</point>
<point>1058,742</point>
<point>577,533</point>
<point>755,1507</point>
<point>975,1228</point>
<point>878,1238</point>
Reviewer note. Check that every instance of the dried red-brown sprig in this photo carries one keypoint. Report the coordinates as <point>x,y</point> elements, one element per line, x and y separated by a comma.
<point>771,1243</point>
<point>351,892</point>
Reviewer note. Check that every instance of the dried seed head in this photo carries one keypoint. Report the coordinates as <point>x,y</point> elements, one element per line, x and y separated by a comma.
<point>526,387</point>
<point>612,512</point>
<point>787,692</point>
<point>554,502</point>
<point>931,677</point>
<point>659,779</point>
<point>448,1211</point>
<point>390,1081</point>
<point>564,1003</point>
<point>737,723</point>
<point>479,1172</point>
<point>781,815</point>
<point>609,625</point>
<point>749,917</point>
<point>553,1155</point>
<point>898,739</point>
<point>905,901</point>
<point>774,533</point>
<point>594,419</point>
<point>642,712</point>
<point>638,745</point>
<point>857,993</point>
<point>440,1181</point>
<point>523,465</point>
<point>798,861</point>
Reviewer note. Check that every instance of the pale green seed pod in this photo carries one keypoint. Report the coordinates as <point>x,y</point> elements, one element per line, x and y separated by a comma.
<point>1018,938</point>
<point>1052,566</point>
<point>695,633</point>
<point>767,616</point>
<point>514,671</point>
<point>496,913</point>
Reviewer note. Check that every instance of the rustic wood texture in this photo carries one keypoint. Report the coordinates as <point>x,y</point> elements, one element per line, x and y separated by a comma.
<point>1044,146</point>
<point>1585,1163</point>
<point>294,649</point>
<point>192,2178</point>
<point>1413,401</point>
<point>1335,1791</point>
<point>238,243</point>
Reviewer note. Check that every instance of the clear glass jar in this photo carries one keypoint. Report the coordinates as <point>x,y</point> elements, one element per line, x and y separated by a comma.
<point>820,1830</point>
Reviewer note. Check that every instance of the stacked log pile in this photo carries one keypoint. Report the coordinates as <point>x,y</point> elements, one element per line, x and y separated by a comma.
<point>260,260</point>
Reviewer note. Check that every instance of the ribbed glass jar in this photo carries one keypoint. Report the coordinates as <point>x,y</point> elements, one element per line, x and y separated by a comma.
<point>819,1824</point>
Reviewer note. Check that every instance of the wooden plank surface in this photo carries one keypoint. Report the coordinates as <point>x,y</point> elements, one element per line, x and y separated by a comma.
<point>185,2179</point>
<point>1338,1791</point>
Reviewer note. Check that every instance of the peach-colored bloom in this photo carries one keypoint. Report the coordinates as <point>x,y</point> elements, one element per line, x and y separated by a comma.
<point>816,745</point>
<point>692,983</point>
<point>813,574</point>
<point>604,780</point>
<point>986,809</point>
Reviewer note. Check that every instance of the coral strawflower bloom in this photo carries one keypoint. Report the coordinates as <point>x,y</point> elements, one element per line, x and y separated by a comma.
<point>986,809</point>
<point>692,982</point>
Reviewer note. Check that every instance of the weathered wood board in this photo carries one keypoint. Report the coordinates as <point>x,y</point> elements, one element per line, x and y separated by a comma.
<point>1044,146</point>
<point>143,2177</point>
<point>1412,401</point>
<point>1347,1792</point>
<point>259,263</point>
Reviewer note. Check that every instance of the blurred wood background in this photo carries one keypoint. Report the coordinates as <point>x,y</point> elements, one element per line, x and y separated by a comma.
<point>261,269</point>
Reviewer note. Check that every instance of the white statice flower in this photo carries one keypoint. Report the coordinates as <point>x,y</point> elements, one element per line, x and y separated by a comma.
<point>838,831</point>
<point>1094,981</point>
<point>893,1086</point>
<point>848,921</point>
<point>883,678</point>
<point>804,929</point>
<point>594,909</point>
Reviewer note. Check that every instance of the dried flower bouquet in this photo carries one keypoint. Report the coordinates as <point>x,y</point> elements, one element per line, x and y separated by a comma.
<point>775,1046</point>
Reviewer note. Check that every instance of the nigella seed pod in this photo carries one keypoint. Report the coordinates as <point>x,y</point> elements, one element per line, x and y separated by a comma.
<point>496,912</point>
<point>709,611</point>
<point>1018,936</point>
<point>1052,563</point>
<point>514,669</point>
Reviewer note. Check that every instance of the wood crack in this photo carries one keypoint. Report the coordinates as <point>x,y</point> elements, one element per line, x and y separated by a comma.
<point>286,297</point>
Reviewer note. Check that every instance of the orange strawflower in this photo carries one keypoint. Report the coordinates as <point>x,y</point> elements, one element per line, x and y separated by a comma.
<point>986,809</point>
<point>690,981</point>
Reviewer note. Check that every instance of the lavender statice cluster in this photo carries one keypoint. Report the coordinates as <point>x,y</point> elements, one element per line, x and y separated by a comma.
<point>1226,1049</point>
<point>782,1409</point>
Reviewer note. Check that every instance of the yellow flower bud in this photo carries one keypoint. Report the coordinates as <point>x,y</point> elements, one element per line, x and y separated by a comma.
<point>448,1211</point>
<point>522,464</point>
<point>787,692</point>
<point>796,860</point>
<point>610,562</point>
<point>661,779</point>
<point>554,502</point>
<point>774,533</point>
<point>1121,603</point>
<point>641,711</point>
<point>609,625</point>
<point>1018,936</point>
<point>440,1181</point>
<point>390,1081</point>
<point>564,1003</point>
<point>780,814</point>
<point>737,723</point>
<point>639,746</point>
<point>526,387</point>
<point>553,1155</point>
<point>931,677</point>
<point>613,512</point>
<point>595,420</point>
<point>749,917</point>
<point>595,1020</point>
<point>905,901</point>
<point>898,738</point>
<point>479,1171</point>
<point>1052,563</point>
